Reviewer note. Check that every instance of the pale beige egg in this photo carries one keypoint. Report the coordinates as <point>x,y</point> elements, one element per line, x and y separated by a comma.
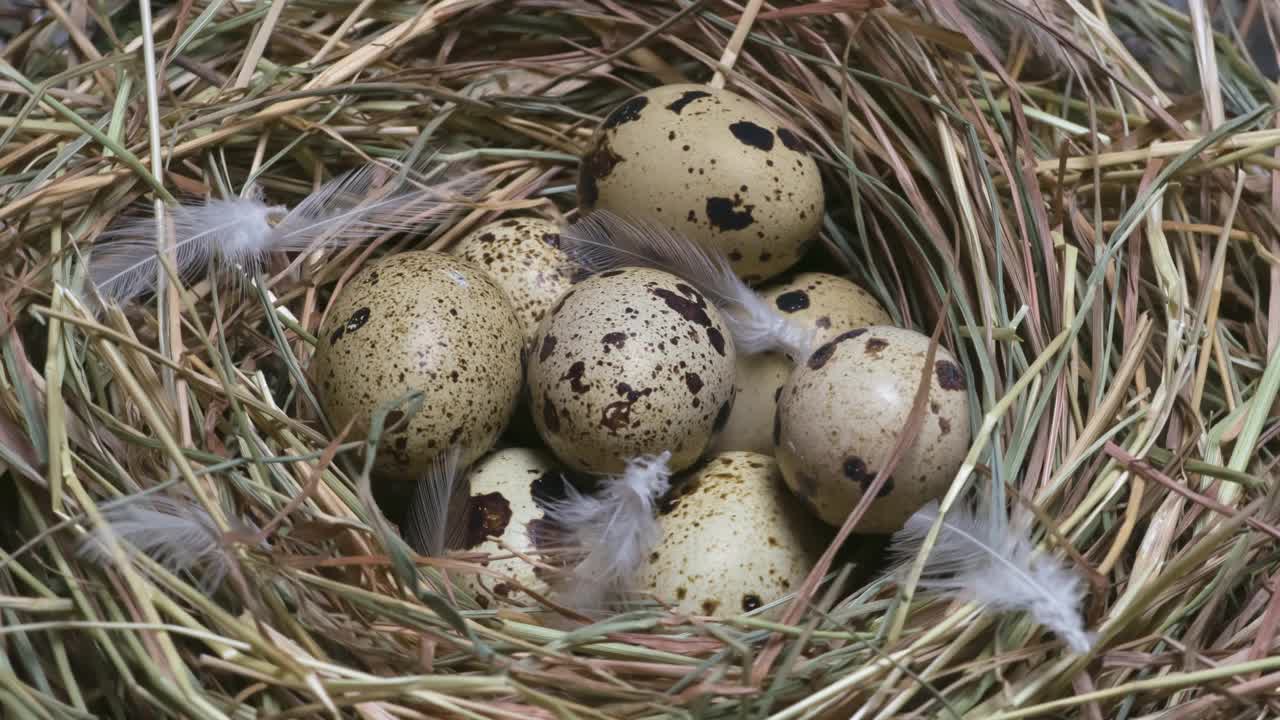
<point>509,489</point>
<point>734,539</point>
<point>843,409</point>
<point>630,362</point>
<point>825,304</point>
<point>523,256</point>
<point>428,322</point>
<point>713,166</point>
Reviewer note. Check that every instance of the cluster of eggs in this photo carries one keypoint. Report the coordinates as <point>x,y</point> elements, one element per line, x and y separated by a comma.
<point>636,361</point>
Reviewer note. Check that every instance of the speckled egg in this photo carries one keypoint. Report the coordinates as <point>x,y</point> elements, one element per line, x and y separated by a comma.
<point>713,166</point>
<point>826,304</point>
<point>523,256</point>
<point>841,412</point>
<point>733,540</point>
<point>421,321</point>
<point>508,490</point>
<point>630,362</point>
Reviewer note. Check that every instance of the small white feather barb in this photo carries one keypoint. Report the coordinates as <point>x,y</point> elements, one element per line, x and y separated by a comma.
<point>437,515</point>
<point>612,530</point>
<point>604,240</point>
<point>178,534</point>
<point>349,209</point>
<point>992,564</point>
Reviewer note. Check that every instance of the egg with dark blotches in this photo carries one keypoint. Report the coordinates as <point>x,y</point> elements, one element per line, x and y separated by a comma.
<point>429,322</point>
<point>841,412</point>
<point>712,166</point>
<point>508,493</point>
<point>523,256</point>
<point>733,540</point>
<point>630,362</point>
<point>826,305</point>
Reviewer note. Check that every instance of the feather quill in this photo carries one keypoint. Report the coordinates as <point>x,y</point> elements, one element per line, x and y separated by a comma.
<point>604,240</point>
<point>990,563</point>
<point>241,232</point>
<point>436,521</point>
<point>178,534</point>
<point>612,530</point>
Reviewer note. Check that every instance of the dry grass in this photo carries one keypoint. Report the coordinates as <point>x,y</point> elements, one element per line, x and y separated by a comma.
<point>1109,256</point>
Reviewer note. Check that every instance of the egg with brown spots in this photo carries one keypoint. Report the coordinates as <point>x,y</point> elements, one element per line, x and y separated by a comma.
<point>825,304</point>
<point>713,166</point>
<point>841,412</point>
<point>429,322</point>
<point>733,540</point>
<point>630,362</point>
<point>509,489</point>
<point>523,256</point>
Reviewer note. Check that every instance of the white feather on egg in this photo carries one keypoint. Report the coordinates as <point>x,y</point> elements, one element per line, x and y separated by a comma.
<point>241,232</point>
<point>604,240</point>
<point>611,531</point>
<point>990,563</point>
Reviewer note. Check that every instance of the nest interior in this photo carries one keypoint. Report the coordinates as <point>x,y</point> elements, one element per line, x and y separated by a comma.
<point>1082,195</point>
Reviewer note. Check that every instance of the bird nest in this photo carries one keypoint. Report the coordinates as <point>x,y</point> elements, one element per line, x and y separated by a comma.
<point>1080,199</point>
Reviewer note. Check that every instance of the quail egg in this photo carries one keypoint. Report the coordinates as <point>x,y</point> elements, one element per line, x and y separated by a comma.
<point>523,257</point>
<point>733,539</point>
<point>508,491</point>
<point>630,362</point>
<point>713,166</point>
<point>429,322</point>
<point>841,412</point>
<point>825,304</point>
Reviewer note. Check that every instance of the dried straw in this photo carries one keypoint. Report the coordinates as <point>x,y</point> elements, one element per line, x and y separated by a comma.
<point>1102,250</point>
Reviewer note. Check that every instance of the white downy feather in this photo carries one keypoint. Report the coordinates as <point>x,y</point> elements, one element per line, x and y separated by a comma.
<point>603,240</point>
<point>437,514</point>
<point>241,232</point>
<point>178,534</point>
<point>612,531</point>
<point>993,564</point>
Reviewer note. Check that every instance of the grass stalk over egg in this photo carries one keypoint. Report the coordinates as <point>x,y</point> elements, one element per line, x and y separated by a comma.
<point>1105,304</point>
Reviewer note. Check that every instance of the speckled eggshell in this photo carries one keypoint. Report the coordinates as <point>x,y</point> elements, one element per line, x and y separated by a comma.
<point>523,256</point>
<point>841,412</point>
<point>421,321</point>
<point>713,166</point>
<point>826,304</point>
<point>507,488</point>
<point>630,362</point>
<point>733,540</point>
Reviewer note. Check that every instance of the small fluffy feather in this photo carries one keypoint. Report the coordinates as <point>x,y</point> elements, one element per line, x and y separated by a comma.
<point>992,564</point>
<point>178,534</point>
<point>243,231</point>
<point>612,530</point>
<point>604,240</point>
<point>437,513</point>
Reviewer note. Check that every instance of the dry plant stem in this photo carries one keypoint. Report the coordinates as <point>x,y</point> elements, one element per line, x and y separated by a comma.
<point>734,47</point>
<point>1144,469</point>
<point>1214,295</point>
<point>952,161</point>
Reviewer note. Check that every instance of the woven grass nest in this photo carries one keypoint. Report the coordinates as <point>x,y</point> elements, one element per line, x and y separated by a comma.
<point>1082,196</point>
